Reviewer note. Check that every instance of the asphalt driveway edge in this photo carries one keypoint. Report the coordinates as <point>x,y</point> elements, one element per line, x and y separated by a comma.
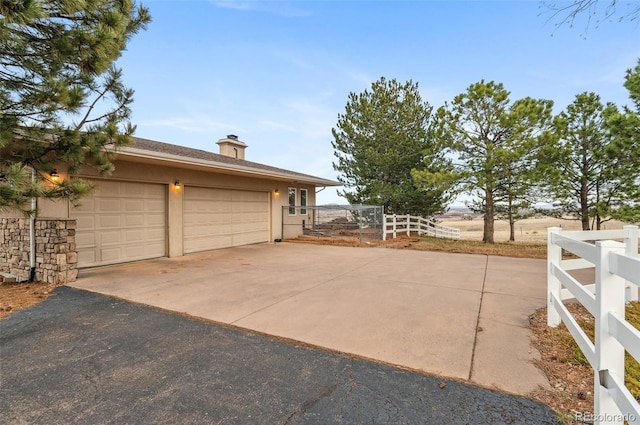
<point>80,322</point>
<point>299,343</point>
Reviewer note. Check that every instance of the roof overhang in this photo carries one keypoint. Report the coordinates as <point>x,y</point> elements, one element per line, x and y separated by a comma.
<point>131,153</point>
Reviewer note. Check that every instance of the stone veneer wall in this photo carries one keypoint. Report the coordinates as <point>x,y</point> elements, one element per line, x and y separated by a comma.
<point>56,256</point>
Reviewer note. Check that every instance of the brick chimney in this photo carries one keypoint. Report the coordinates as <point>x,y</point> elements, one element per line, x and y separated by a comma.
<point>232,147</point>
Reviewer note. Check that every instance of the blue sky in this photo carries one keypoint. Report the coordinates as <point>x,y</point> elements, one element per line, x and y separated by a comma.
<point>278,73</point>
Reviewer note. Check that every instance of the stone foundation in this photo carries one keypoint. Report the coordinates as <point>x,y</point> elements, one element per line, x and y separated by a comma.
<point>56,256</point>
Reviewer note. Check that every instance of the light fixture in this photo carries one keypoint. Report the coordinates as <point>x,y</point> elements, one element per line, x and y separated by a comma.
<point>54,175</point>
<point>176,184</point>
<point>276,192</point>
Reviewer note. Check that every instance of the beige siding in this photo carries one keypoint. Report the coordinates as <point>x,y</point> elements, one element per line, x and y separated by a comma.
<point>119,222</point>
<point>220,218</point>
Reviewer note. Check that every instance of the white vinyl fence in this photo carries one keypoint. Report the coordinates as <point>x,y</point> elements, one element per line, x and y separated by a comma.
<point>617,277</point>
<point>394,224</point>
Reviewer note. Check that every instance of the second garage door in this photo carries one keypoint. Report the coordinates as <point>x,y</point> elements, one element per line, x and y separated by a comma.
<point>221,218</point>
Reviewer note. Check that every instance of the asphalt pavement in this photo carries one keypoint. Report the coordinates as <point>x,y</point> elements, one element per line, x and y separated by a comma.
<point>85,358</point>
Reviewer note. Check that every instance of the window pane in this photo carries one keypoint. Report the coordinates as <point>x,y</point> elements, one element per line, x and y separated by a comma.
<point>303,201</point>
<point>292,201</point>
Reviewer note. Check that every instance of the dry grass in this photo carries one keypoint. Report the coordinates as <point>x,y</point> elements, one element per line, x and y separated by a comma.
<point>505,249</point>
<point>425,243</point>
<point>531,230</point>
<point>566,367</point>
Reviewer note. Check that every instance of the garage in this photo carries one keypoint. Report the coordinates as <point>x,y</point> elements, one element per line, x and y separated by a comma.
<point>121,222</point>
<point>222,218</point>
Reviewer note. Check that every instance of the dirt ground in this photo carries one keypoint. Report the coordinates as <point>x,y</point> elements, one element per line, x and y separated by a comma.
<point>18,296</point>
<point>570,377</point>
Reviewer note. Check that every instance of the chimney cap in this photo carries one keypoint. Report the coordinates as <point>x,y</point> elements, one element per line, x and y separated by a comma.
<point>232,137</point>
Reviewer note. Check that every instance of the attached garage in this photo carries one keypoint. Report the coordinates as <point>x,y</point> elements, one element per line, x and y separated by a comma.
<point>162,200</point>
<point>121,221</point>
<point>222,218</point>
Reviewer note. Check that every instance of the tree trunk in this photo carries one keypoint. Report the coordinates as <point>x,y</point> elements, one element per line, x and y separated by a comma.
<point>512,230</point>
<point>584,206</point>
<point>598,218</point>
<point>512,222</point>
<point>487,237</point>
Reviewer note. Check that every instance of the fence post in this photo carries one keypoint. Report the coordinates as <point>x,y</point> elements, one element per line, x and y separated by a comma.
<point>554,256</point>
<point>394,226</point>
<point>610,292</point>
<point>631,250</point>
<point>408,224</point>
<point>384,227</point>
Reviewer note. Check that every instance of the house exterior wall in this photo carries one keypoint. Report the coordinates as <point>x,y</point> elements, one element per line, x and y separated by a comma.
<point>134,171</point>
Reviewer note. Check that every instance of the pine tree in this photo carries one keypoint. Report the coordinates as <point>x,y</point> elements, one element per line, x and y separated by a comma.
<point>62,98</point>
<point>380,139</point>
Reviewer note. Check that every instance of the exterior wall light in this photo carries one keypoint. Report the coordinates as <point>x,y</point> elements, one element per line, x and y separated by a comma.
<point>276,193</point>
<point>176,184</point>
<point>54,175</point>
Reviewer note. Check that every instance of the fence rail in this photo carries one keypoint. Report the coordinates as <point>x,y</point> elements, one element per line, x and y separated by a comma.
<point>617,277</point>
<point>394,224</point>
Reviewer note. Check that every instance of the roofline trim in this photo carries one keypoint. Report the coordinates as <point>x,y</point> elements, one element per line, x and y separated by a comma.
<point>143,153</point>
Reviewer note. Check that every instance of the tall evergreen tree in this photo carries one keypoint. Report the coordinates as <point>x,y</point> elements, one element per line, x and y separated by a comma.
<point>495,144</point>
<point>382,136</point>
<point>596,163</point>
<point>624,125</point>
<point>517,188</point>
<point>62,99</point>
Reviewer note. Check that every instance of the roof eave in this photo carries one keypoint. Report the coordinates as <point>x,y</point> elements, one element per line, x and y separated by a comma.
<point>224,167</point>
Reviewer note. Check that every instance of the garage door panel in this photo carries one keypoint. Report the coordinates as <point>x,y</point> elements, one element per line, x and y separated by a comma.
<point>108,189</point>
<point>156,235</point>
<point>85,222</point>
<point>119,222</point>
<point>154,205</point>
<point>109,220</point>
<point>134,220</point>
<point>110,255</point>
<point>112,237</point>
<point>86,256</point>
<point>248,238</point>
<point>156,220</point>
<point>248,227</point>
<point>134,190</point>
<point>136,235</point>
<point>247,207</point>
<point>86,204</point>
<point>221,218</point>
<point>249,196</point>
<point>110,205</point>
<point>134,205</point>
<point>250,216</point>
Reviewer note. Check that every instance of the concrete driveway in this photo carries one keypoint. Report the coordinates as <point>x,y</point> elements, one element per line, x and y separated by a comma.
<point>85,358</point>
<point>456,315</point>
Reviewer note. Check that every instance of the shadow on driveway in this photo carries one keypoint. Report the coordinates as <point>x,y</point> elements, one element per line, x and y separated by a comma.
<point>85,358</point>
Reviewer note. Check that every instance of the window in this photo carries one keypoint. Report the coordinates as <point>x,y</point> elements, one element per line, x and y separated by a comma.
<point>292,201</point>
<point>303,201</point>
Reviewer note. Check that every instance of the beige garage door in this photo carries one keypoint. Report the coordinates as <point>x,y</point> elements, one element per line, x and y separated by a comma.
<point>221,218</point>
<point>121,222</point>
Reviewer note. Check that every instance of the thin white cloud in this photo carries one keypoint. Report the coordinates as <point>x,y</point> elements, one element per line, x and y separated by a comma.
<point>273,125</point>
<point>282,8</point>
<point>199,124</point>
